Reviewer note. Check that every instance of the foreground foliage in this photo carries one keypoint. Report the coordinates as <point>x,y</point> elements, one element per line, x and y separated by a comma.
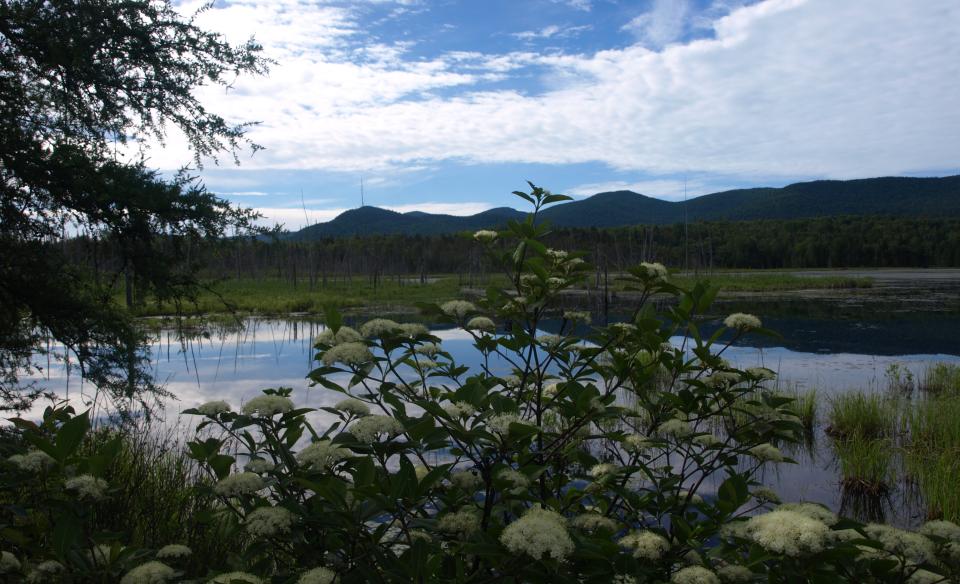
<point>605,454</point>
<point>84,86</point>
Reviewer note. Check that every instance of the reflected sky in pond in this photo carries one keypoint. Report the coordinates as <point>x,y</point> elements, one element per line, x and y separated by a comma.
<point>832,355</point>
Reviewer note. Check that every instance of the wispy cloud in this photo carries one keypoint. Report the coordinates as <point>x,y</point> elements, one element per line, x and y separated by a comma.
<point>551,31</point>
<point>664,23</point>
<point>582,5</point>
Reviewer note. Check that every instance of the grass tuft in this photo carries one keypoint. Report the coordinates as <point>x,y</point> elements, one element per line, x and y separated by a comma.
<point>860,415</point>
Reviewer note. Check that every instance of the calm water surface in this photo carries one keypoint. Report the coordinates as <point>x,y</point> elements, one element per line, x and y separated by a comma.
<point>830,346</point>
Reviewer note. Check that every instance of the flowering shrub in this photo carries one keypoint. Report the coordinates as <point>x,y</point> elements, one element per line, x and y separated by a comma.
<point>603,454</point>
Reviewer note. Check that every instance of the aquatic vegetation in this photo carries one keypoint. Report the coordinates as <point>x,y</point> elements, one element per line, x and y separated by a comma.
<point>805,407</point>
<point>866,465</point>
<point>933,454</point>
<point>941,378</point>
<point>859,414</point>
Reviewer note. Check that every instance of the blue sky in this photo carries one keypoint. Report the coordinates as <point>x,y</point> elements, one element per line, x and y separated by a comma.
<point>449,106</point>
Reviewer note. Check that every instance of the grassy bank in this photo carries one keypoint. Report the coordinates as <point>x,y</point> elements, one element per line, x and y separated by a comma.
<point>276,296</point>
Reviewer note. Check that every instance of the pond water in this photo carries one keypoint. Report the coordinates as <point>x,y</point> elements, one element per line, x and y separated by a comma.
<point>830,346</point>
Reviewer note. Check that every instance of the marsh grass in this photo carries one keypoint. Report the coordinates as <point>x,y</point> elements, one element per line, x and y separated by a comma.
<point>806,408</point>
<point>862,415</point>
<point>941,378</point>
<point>866,465</point>
<point>933,454</point>
<point>272,296</point>
<point>157,497</point>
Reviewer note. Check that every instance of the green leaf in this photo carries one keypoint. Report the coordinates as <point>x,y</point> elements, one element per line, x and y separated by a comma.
<point>70,435</point>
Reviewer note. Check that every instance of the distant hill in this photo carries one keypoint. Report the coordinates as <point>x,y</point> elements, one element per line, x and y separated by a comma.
<point>898,196</point>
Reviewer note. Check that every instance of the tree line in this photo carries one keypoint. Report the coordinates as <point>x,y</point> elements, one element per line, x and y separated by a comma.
<point>829,242</point>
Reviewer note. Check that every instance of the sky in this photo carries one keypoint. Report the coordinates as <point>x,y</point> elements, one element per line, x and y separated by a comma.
<point>449,106</point>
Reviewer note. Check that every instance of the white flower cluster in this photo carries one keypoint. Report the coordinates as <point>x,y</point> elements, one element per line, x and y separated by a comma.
<point>348,354</point>
<point>742,321</point>
<point>268,405</point>
<point>317,576</point>
<point>942,529</point>
<point>149,573</point>
<point>481,323</point>
<point>550,341</point>
<point>813,511</point>
<point>911,546</point>
<point>232,577</point>
<point>462,523</point>
<point>694,575</point>
<point>734,573</point>
<point>368,428</point>
<point>721,379</point>
<point>379,327</point>
<point>243,483</point>
<point>458,308</point>
<point>322,454</point>
<point>8,563</point>
<point>576,316</point>
<point>259,466</point>
<point>269,521</point>
<point>675,427</point>
<point>46,571</point>
<point>637,443</point>
<point>413,329</point>
<point>485,236</point>
<point>557,255</point>
<point>428,349</point>
<point>500,423</point>
<point>592,522</point>
<point>537,533</point>
<point>344,334</point>
<point>460,410</point>
<point>787,532</point>
<point>353,406</point>
<point>766,453</point>
<point>655,270</point>
<point>762,373</point>
<point>765,494</point>
<point>603,471</point>
<point>707,440</point>
<point>518,481</point>
<point>33,461</point>
<point>87,487</point>
<point>624,579</point>
<point>466,480</point>
<point>214,408</point>
<point>174,551</point>
<point>645,545</point>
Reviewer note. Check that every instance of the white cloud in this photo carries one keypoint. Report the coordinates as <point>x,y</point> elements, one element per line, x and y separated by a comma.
<point>243,194</point>
<point>664,23</point>
<point>551,31</point>
<point>786,88</point>
<point>295,218</point>
<point>583,5</point>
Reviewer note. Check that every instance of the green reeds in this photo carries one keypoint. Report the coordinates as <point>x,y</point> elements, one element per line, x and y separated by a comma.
<point>155,498</point>
<point>941,378</point>
<point>866,465</point>
<point>857,414</point>
<point>805,406</point>
<point>933,454</point>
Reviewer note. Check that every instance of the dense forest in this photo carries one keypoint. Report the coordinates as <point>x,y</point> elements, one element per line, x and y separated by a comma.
<point>834,242</point>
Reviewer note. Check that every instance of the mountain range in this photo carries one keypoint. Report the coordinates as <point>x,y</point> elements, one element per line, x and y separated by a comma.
<point>890,196</point>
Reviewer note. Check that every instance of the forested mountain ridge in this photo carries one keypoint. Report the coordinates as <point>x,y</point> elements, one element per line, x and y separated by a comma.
<point>891,196</point>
